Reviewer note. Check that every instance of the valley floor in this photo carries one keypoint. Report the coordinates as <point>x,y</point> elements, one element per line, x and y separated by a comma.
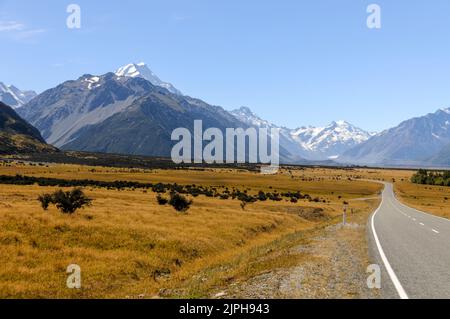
<point>128,246</point>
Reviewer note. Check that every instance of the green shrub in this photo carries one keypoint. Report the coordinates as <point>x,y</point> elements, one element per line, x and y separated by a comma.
<point>67,202</point>
<point>179,202</point>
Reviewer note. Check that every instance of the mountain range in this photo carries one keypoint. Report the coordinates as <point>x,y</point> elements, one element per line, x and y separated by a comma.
<point>112,113</point>
<point>312,143</point>
<point>413,142</point>
<point>132,111</point>
<point>14,97</point>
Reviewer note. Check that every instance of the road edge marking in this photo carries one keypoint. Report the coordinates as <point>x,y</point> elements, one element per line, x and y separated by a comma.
<point>415,209</point>
<point>398,286</point>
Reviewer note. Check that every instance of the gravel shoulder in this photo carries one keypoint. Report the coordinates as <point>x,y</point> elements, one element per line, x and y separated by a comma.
<point>331,265</point>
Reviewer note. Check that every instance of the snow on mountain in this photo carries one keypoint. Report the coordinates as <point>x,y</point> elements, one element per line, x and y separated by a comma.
<point>12,96</point>
<point>141,70</point>
<point>244,114</point>
<point>92,82</point>
<point>331,140</point>
<point>315,143</point>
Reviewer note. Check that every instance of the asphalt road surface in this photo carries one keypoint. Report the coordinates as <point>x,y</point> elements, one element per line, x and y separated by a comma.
<point>413,249</point>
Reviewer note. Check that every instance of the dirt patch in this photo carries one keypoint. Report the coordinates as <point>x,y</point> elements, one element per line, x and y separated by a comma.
<point>313,214</point>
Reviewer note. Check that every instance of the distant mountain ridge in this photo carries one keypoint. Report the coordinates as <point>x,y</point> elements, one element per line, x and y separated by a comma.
<point>313,143</point>
<point>441,159</point>
<point>14,97</point>
<point>120,114</point>
<point>131,111</point>
<point>413,142</point>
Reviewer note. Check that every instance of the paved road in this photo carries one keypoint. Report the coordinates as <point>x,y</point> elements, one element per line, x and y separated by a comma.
<point>414,249</point>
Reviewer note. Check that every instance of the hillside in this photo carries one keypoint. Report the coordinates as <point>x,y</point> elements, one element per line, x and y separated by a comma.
<point>17,136</point>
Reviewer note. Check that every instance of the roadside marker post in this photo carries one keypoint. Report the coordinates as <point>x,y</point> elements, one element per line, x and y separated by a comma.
<point>344,215</point>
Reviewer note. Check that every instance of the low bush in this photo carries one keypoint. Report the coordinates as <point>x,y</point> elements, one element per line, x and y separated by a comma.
<point>179,202</point>
<point>67,202</point>
<point>161,200</point>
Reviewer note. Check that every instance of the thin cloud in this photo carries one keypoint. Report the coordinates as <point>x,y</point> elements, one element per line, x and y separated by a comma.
<point>19,31</point>
<point>30,33</point>
<point>9,26</point>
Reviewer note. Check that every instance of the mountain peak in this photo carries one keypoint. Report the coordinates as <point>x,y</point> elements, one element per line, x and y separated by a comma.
<point>318,143</point>
<point>12,96</point>
<point>244,110</point>
<point>141,70</point>
<point>246,115</point>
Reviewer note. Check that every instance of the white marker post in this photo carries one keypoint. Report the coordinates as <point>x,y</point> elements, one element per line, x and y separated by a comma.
<point>344,215</point>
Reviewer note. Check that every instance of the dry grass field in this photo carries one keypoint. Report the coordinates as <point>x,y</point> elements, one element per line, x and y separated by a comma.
<point>431,199</point>
<point>128,246</point>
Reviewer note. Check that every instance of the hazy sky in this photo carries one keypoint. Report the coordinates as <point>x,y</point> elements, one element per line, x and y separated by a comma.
<point>293,62</point>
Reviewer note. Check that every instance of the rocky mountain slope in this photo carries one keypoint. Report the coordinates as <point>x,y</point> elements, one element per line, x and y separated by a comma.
<point>17,136</point>
<point>413,142</point>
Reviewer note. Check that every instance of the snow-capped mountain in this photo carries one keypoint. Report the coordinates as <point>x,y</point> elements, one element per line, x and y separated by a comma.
<point>332,140</point>
<point>141,70</point>
<point>118,114</point>
<point>62,112</point>
<point>314,143</point>
<point>245,115</point>
<point>14,97</point>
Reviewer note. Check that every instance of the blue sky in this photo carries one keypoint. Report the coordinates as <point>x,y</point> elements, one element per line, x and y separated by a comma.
<point>293,62</point>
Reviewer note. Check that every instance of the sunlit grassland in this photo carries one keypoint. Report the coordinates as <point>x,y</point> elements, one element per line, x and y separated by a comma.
<point>127,245</point>
<point>430,199</point>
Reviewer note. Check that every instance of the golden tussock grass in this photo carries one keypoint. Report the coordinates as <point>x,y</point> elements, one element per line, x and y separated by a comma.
<point>127,245</point>
<point>431,199</point>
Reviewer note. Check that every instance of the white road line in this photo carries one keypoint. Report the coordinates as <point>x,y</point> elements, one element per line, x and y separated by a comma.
<point>416,210</point>
<point>398,286</point>
<point>422,224</point>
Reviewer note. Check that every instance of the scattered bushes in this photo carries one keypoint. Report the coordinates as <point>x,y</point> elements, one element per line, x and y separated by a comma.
<point>177,201</point>
<point>67,202</point>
